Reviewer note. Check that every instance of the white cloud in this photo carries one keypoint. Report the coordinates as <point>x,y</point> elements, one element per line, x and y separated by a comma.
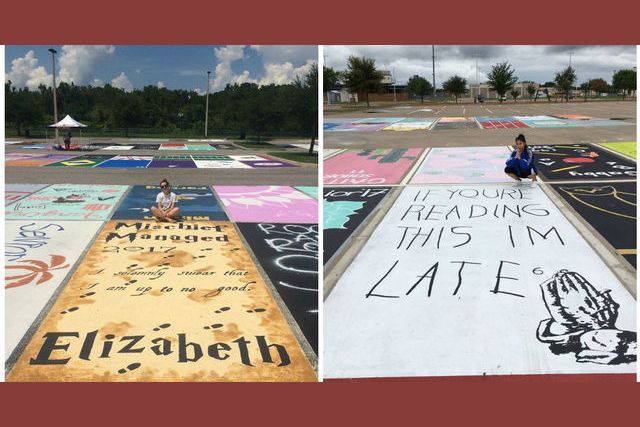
<point>281,64</point>
<point>122,82</point>
<point>78,63</point>
<point>223,74</point>
<point>161,85</point>
<point>97,83</point>
<point>284,73</point>
<point>25,72</point>
<point>282,54</point>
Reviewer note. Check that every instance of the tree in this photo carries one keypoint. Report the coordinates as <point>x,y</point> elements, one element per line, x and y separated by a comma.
<point>598,85</point>
<point>456,86</point>
<point>501,78</point>
<point>329,80</point>
<point>625,81</point>
<point>361,76</point>
<point>307,105</point>
<point>419,86</point>
<point>564,81</point>
<point>531,90</point>
<point>515,94</point>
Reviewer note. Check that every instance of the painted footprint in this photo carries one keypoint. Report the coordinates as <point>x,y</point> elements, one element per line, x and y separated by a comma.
<point>69,310</point>
<point>88,294</point>
<point>129,368</point>
<point>163,326</point>
<point>222,309</point>
<point>257,310</point>
<point>214,326</point>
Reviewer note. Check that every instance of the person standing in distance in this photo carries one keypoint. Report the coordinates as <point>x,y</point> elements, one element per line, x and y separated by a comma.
<point>166,200</point>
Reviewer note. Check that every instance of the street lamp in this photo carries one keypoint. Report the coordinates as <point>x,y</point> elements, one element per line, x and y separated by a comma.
<point>55,102</point>
<point>206,114</point>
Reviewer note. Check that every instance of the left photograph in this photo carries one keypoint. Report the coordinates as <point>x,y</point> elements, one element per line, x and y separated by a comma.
<point>161,213</point>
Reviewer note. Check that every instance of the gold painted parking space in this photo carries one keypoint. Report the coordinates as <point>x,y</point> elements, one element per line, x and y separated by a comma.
<point>164,302</point>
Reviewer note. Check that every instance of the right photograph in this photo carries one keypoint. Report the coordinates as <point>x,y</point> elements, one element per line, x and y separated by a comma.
<point>479,210</point>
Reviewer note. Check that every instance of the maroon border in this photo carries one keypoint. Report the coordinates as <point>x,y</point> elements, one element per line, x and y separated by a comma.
<point>326,22</point>
<point>512,400</point>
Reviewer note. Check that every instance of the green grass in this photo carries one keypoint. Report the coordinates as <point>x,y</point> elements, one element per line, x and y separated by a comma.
<point>253,144</point>
<point>296,157</point>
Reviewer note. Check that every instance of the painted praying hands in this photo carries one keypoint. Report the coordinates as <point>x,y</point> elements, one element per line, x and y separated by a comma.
<point>583,321</point>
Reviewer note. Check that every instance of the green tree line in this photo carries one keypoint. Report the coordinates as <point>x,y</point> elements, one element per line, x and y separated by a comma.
<point>239,110</point>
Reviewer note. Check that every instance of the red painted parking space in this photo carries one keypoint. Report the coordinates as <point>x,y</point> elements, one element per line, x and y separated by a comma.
<point>503,124</point>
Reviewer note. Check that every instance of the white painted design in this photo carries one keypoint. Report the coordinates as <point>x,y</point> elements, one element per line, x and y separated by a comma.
<point>449,284</point>
<point>38,255</point>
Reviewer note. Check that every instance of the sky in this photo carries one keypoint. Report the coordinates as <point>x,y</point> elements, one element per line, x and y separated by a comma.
<point>174,67</point>
<point>536,63</point>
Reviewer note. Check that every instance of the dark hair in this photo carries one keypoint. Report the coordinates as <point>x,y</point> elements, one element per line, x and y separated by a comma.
<point>521,138</point>
<point>163,181</point>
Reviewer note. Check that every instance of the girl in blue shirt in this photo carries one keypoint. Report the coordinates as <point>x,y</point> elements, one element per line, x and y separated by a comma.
<point>521,163</point>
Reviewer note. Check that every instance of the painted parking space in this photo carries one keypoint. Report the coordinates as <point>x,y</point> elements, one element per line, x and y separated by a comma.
<point>126,162</point>
<point>164,302</point>
<point>146,146</point>
<point>581,162</point>
<point>265,162</point>
<point>369,166</point>
<point>218,162</point>
<point>196,203</point>
<point>463,164</point>
<point>447,123</point>
<point>273,204</point>
<point>289,255</point>
<point>9,157</point>
<point>87,161</point>
<point>200,147</point>
<point>610,208</point>
<point>118,147</point>
<point>310,191</point>
<point>171,146</point>
<point>40,160</point>
<point>15,192</point>
<point>344,209</point>
<point>474,279</point>
<point>68,202</point>
<point>37,255</point>
<point>223,146</point>
<point>172,162</point>
<point>500,122</point>
<point>549,122</point>
<point>359,127</point>
<point>410,124</point>
<point>627,148</point>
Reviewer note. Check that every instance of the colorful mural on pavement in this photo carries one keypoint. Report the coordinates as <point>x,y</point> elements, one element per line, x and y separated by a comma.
<point>164,302</point>
<point>273,204</point>
<point>369,166</point>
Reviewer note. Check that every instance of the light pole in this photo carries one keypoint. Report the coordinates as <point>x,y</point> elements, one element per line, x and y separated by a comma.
<point>433,59</point>
<point>206,113</point>
<point>395,99</point>
<point>55,101</point>
<point>324,65</point>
